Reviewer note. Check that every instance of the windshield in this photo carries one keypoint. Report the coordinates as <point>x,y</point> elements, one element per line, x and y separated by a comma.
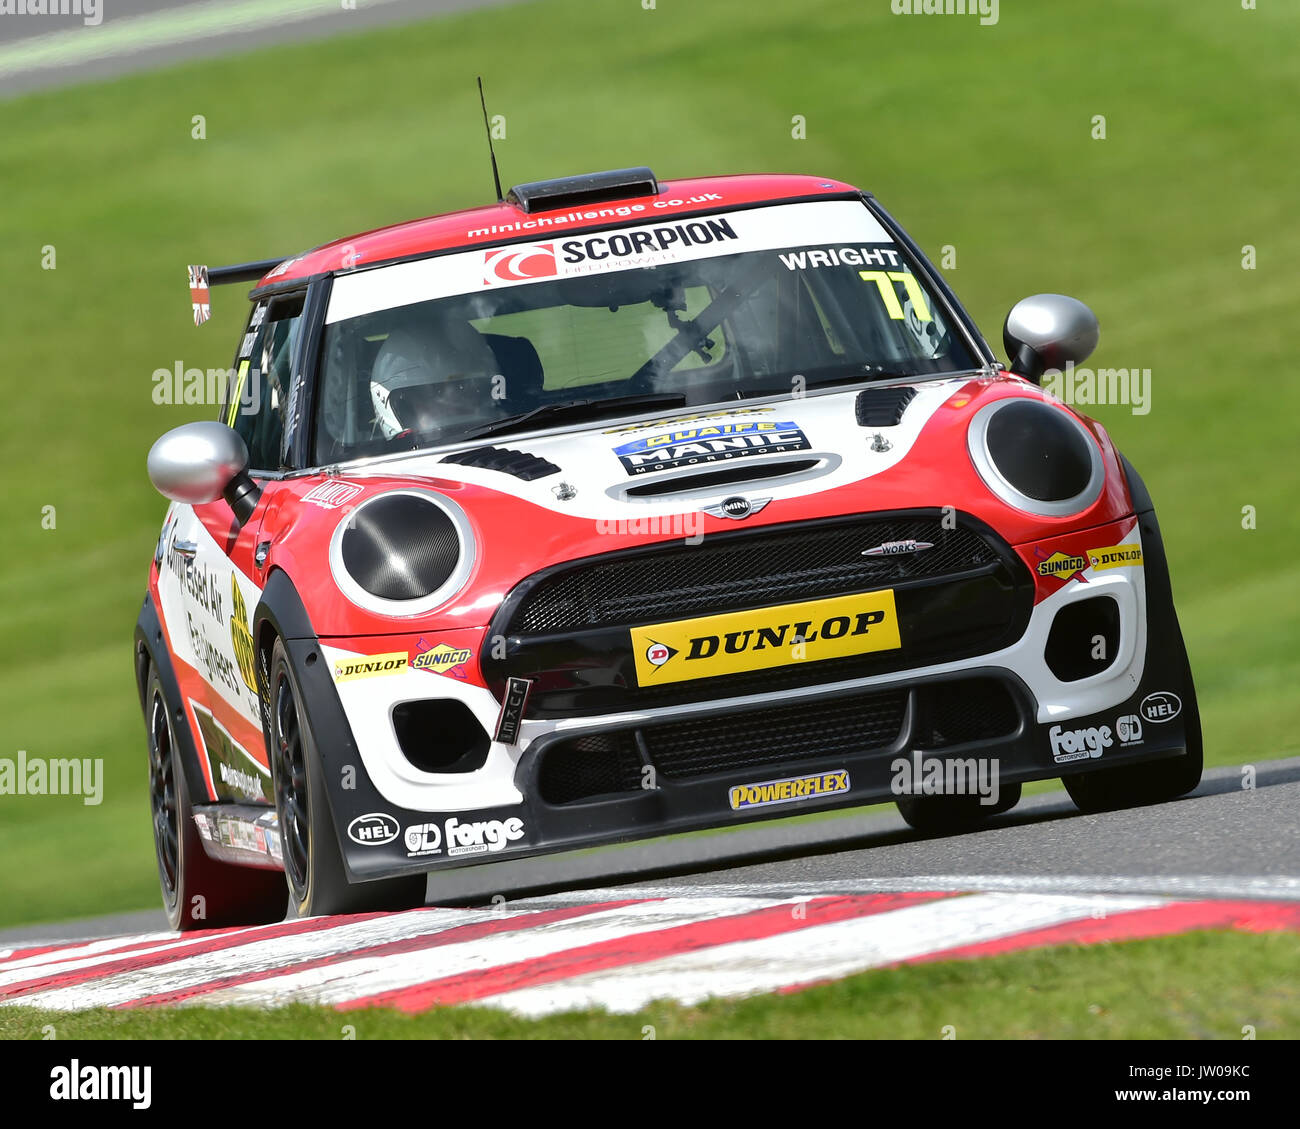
<point>771,300</point>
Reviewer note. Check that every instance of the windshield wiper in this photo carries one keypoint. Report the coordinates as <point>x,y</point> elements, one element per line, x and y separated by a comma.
<point>577,409</point>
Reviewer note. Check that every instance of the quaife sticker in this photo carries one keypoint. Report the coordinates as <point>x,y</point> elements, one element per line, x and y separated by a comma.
<point>765,637</point>
<point>710,443</point>
<point>345,670</point>
<point>788,791</point>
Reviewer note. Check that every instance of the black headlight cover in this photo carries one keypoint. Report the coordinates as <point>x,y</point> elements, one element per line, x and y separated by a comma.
<point>400,547</point>
<point>1036,457</point>
<point>1039,451</point>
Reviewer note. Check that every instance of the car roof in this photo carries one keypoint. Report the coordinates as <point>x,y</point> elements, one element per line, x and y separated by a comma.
<point>509,220</point>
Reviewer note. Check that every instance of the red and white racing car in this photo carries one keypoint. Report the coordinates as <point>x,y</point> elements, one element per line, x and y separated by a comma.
<point>620,508</point>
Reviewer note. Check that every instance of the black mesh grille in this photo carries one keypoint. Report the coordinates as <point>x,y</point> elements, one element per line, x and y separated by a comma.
<point>598,765</point>
<point>730,572</point>
<point>977,709</point>
<point>400,547</point>
<point>779,738</point>
<point>777,735</point>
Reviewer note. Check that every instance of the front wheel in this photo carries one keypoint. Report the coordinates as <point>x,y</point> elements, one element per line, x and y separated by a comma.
<point>313,863</point>
<point>951,815</point>
<point>198,892</point>
<point>1135,785</point>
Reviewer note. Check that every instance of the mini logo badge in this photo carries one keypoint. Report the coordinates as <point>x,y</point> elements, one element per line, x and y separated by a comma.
<point>1162,706</point>
<point>736,507</point>
<point>897,548</point>
<point>373,830</point>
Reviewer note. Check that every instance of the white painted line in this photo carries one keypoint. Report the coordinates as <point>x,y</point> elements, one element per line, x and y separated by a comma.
<point>80,44</point>
<point>355,979</point>
<point>818,952</point>
<point>1155,885</point>
<point>255,956</point>
<point>78,950</point>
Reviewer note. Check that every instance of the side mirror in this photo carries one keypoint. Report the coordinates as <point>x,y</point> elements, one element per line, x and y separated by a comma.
<point>201,462</point>
<point>1048,331</point>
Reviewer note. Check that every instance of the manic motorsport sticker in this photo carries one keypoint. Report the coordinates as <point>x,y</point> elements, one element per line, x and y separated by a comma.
<point>710,443</point>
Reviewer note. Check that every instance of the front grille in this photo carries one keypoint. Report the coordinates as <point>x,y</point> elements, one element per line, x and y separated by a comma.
<point>976,709</point>
<point>597,765</point>
<point>774,739</point>
<point>729,572</point>
<point>771,736</point>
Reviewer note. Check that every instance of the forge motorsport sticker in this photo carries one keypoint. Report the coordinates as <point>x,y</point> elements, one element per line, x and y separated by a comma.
<point>710,443</point>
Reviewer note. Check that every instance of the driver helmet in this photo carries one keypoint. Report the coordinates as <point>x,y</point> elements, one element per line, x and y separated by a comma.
<point>426,352</point>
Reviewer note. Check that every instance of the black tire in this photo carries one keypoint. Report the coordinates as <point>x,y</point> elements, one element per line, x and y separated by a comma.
<point>951,815</point>
<point>313,864</point>
<point>1155,782</point>
<point>198,892</point>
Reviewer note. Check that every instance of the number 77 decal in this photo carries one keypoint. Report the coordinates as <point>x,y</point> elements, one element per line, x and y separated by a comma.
<point>885,280</point>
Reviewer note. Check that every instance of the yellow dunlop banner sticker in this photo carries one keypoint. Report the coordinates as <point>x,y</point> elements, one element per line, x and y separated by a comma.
<point>765,637</point>
<point>1115,556</point>
<point>367,666</point>
<point>786,791</point>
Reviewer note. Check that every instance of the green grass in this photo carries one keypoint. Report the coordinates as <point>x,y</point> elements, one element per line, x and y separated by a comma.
<point>1206,985</point>
<point>975,137</point>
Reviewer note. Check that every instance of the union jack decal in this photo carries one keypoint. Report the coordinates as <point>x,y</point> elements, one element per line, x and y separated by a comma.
<point>200,295</point>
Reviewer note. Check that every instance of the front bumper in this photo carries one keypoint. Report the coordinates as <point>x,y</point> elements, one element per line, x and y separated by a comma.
<point>1040,728</point>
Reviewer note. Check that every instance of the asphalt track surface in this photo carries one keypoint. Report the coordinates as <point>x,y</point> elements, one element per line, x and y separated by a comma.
<point>1223,841</point>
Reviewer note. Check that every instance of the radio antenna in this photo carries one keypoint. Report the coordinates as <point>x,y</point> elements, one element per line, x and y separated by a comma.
<point>496,176</point>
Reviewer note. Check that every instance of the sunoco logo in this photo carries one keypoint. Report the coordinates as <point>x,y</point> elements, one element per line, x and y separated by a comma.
<point>373,830</point>
<point>1163,705</point>
<point>1062,566</point>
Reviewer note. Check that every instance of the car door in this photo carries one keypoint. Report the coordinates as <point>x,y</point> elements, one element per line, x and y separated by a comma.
<point>259,406</point>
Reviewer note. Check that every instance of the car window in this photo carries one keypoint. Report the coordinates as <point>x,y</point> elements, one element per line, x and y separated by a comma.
<point>258,404</point>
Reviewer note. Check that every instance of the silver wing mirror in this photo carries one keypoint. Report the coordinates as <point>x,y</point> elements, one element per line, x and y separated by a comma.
<point>198,463</point>
<point>1048,331</point>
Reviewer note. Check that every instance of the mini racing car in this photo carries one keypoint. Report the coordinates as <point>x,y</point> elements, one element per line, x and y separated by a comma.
<point>619,508</point>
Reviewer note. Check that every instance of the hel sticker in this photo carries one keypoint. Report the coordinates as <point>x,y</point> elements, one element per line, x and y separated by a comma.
<point>1161,706</point>
<point>788,791</point>
<point>1115,556</point>
<point>766,637</point>
<point>885,280</point>
<point>200,294</point>
<point>367,666</point>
